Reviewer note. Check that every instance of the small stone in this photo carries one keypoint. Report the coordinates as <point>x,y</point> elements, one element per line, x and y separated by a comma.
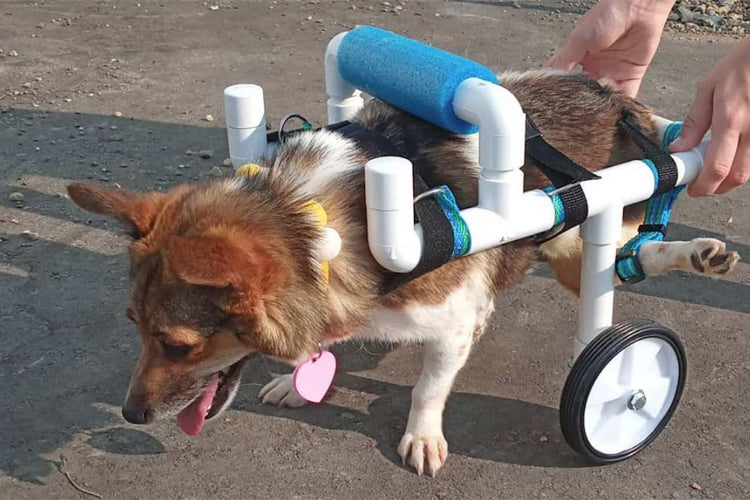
<point>543,439</point>
<point>437,14</point>
<point>105,169</point>
<point>216,172</point>
<point>29,235</point>
<point>14,221</point>
<point>40,26</point>
<point>113,127</point>
<point>189,153</point>
<point>13,53</point>
<point>516,5</point>
<point>696,486</point>
<point>308,18</point>
<point>26,85</point>
<point>17,197</point>
<point>118,114</point>
<point>181,166</point>
<point>205,153</point>
<point>213,7</point>
<point>123,165</point>
<point>67,99</point>
<point>227,163</point>
<point>208,118</point>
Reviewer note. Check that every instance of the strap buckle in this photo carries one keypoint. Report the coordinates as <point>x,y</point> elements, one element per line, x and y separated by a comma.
<point>653,228</point>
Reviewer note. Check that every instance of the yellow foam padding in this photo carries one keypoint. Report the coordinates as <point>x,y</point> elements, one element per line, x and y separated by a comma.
<point>317,211</point>
<point>249,169</point>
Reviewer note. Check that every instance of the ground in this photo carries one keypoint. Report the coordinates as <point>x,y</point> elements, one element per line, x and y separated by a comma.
<point>118,92</point>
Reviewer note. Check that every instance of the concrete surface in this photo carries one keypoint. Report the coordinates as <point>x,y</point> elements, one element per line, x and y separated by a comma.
<point>67,349</point>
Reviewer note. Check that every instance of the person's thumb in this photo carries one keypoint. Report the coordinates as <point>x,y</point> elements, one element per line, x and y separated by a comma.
<point>568,56</point>
<point>696,124</point>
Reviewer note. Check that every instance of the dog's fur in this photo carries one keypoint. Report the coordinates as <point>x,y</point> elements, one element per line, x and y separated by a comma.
<point>226,268</point>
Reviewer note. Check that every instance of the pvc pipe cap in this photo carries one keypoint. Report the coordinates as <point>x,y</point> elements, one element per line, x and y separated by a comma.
<point>244,106</point>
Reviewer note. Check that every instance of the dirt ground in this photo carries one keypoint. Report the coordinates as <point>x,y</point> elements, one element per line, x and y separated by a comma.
<point>118,92</point>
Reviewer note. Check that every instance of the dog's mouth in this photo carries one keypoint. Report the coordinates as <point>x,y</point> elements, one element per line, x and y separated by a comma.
<point>216,396</point>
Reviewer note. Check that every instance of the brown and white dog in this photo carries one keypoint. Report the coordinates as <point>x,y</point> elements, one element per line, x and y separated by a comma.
<point>224,269</point>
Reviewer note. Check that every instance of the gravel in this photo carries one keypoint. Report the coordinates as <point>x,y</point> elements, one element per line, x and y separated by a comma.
<point>727,17</point>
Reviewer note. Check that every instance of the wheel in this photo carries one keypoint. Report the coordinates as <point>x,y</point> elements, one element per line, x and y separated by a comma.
<point>622,390</point>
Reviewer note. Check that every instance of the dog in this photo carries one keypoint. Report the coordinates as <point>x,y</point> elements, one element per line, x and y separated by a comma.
<point>224,269</point>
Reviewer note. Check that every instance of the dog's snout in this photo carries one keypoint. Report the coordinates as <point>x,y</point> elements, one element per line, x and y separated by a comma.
<point>137,413</point>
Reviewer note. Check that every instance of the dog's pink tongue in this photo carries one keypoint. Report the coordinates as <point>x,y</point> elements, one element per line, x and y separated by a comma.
<point>191,419</point>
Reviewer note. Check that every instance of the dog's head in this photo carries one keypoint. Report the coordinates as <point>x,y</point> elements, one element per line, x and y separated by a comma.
<point>218,272</point>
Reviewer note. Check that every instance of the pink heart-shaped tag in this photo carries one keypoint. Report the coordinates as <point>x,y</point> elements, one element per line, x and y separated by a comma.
<point>314,377</point>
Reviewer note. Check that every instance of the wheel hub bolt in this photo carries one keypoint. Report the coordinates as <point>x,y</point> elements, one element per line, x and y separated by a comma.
<point>637,400</point>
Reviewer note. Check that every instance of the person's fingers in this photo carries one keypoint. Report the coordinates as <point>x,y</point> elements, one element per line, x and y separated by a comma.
<point>571,54</point>
<point>740,172</point>
<point>698,120</point>
<point>719,160</point>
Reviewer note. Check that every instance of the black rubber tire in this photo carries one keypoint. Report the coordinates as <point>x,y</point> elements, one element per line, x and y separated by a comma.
<point>586,370</point>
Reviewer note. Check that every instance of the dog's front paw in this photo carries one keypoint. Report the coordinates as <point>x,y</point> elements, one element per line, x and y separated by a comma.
<point>424,452</point>
<point>710,257</point>
<point>280,392</point>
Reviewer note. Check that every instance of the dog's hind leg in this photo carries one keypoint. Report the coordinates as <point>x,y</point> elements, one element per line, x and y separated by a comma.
<point>706,256</point>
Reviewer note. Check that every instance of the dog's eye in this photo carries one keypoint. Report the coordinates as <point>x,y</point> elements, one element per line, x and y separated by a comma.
<point>176,351</point>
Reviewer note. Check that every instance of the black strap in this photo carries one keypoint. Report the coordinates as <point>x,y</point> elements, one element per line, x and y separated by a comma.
<point>564,174</point>
<point>665,165</point>
<point>557,167</point>
<point>436,228</point>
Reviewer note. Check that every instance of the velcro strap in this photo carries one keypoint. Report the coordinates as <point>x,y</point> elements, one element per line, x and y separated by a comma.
<point>557,167</point>
<point>666,168</point>
<point>571,209</point>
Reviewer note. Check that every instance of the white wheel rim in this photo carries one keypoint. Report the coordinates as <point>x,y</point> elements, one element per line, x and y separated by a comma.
<point>649,365</point>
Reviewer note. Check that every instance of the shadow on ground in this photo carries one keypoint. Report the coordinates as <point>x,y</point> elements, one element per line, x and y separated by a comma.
<point>67,348</point>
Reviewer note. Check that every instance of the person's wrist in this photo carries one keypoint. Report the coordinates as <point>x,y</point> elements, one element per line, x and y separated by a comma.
<point>661,8</point>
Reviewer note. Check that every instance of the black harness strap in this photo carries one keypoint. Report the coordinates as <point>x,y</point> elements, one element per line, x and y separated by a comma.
<point>436,228</point>
<point>565,175</point>
<point>557,167</point>
<point>662,160</point>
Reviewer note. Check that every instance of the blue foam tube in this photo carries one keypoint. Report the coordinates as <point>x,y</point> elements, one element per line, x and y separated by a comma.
<point>407,74</point>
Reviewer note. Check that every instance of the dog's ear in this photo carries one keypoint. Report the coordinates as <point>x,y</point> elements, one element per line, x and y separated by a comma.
<point>136,210</point>
<point>219,261</point>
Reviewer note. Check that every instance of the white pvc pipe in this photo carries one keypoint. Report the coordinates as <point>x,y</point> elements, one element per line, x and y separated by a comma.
<point>246,123</point>
<point>395,242</point>
<point>600,235</point>
<point>343,99</point>
<point>502,129</point>
<point>623,184</point>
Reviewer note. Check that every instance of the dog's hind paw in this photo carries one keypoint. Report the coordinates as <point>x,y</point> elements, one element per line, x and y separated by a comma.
<point>710,257</point>
<point>426,454</point>
<point>280,392</point>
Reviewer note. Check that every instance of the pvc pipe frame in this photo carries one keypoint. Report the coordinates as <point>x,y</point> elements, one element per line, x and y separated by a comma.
<point>504,212</point>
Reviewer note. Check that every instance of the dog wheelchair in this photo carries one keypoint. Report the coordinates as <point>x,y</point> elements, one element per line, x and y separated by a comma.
<point>627,379</point>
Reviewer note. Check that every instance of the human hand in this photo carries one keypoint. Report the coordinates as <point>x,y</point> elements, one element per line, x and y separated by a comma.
<point>616,40</point>
<point>722,104</point>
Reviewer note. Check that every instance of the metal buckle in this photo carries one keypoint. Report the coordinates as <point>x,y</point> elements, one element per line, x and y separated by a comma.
<point>429,192</point>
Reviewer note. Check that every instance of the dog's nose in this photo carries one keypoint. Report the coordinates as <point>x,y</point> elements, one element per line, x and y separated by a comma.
<point>137,414</point>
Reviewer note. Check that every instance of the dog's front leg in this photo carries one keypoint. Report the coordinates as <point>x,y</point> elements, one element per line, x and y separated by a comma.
<point>423,446</point>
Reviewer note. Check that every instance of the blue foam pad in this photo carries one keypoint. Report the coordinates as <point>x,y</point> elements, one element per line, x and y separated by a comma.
<point>407,74</point>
